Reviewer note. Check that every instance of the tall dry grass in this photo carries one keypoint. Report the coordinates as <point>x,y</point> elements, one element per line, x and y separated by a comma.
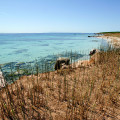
<point>84,93</point>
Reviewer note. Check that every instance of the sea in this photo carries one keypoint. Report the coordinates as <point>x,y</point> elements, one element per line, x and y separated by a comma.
<point>21,48</point>
<point>24,47</point>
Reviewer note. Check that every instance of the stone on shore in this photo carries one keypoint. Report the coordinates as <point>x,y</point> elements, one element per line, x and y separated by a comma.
<point>92,52</point>
<point>2,81</point>
<point>62,63</point>
<point>94,56</point>
<point>81,63</point>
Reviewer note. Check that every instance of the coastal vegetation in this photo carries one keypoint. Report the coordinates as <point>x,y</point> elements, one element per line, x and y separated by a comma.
<point>112,34</point>
<point>57,60</point>
<point>82,93</point>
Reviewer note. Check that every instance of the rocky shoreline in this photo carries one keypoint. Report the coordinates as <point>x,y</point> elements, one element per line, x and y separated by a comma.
<point>114,41</point>
<point>61,63</point>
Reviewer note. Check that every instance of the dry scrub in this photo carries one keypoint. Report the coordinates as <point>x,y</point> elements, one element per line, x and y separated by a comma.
<point>82,93</point>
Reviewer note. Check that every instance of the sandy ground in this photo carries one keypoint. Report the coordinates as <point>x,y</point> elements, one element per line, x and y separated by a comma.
<point>115,41</point>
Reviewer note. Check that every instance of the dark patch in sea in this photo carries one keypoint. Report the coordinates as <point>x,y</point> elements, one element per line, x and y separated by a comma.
<point>4,43</point>
<point>95,41</point>
<point>10,54</point>
<point>27,55</point>
<point>58,43</point>
<point>56,48</point>
<point>45,45</point>
<point>41,45</point>
<point>20,51</point>
<point>13,48</point>
<point>71,43</point>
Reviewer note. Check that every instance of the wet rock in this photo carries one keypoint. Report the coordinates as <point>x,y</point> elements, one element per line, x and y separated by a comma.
<point>61,62</point>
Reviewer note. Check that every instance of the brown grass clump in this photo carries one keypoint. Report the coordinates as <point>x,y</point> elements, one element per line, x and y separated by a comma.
<point>85,93</point>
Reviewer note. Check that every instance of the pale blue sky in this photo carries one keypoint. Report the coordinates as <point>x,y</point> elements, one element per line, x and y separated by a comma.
<point>36,16</point>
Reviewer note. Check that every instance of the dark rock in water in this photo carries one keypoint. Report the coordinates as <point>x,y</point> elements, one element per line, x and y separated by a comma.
<point>93,36</point>
<point>59,63</point>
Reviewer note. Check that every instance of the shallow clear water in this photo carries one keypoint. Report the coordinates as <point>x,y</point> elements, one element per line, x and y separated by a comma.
<point>28,47</point>
<point>26,52</point>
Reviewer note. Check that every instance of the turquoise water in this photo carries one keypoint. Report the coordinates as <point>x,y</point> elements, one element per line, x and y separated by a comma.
<point>28,47</point>
<point>24,51</point>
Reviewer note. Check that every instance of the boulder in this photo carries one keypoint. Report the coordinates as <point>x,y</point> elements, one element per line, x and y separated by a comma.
<point>65,67</point>
<point>92,52</point>
<point>62,62</point>
<point>94,56</point>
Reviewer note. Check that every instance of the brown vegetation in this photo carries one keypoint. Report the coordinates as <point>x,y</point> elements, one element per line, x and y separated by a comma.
<point>82,93</point>
<point>111,34</point>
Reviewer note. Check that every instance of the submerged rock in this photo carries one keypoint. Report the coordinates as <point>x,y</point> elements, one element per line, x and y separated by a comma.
<point>21,63</point>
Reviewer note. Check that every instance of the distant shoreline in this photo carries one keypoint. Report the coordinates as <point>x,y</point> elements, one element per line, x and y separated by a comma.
<point>114,41</point>
<point>113,38</point>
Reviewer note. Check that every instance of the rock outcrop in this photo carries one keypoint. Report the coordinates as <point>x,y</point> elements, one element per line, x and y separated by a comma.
<point>94,56</point>
<point>62,63</point>
<point>92,52</point>
<point>82,63</point>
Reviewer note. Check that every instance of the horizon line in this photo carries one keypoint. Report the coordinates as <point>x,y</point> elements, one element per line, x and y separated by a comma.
<point>49,32</point>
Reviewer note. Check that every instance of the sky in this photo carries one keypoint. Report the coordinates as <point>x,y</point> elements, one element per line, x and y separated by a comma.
<point>71,16</point>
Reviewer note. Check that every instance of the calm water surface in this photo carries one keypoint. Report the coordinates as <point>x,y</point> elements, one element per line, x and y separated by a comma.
<point>28,47</point>
<point>22,52</point>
